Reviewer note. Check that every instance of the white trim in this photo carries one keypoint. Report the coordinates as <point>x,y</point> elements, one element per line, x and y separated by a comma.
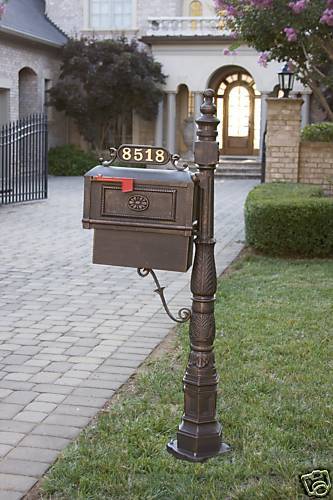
<point>86,16</point>
<point>134,13</point>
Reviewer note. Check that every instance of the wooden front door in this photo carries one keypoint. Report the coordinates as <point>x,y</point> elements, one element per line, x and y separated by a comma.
<point>238,120</point>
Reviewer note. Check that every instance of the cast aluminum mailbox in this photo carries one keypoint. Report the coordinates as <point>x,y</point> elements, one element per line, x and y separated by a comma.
<point>142,218</point>
<point>148,219</point>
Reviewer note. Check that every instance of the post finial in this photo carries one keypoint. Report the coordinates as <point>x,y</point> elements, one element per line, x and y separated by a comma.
<point>207,122</point>
<point>208,107</point>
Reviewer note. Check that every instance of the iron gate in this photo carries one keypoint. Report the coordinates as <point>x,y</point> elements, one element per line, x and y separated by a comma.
<point>23,160</point>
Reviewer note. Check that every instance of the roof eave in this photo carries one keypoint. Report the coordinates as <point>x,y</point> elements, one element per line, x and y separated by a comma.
<point>28,36</point>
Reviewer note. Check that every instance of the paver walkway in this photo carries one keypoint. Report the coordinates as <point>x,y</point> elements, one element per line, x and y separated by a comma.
<point>71,333</point>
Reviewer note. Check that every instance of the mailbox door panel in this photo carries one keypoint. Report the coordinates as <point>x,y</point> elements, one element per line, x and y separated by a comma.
<point>146,202</point>
<point>151,250</point>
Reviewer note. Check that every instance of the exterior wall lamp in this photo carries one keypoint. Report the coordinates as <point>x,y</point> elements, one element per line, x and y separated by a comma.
<point>286,80</point>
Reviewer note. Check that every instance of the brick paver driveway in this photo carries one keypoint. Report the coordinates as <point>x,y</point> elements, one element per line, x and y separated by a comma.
<point>70,332</point>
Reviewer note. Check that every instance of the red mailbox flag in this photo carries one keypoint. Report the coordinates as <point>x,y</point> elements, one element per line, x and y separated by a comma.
<point>127,185</point>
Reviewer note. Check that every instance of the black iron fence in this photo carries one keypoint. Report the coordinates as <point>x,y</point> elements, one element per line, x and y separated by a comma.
<point>23,160</point>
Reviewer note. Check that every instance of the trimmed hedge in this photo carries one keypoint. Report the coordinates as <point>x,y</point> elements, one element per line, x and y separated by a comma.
<point>289,219</point>
<point>70,160</point>
<point>318,132</point>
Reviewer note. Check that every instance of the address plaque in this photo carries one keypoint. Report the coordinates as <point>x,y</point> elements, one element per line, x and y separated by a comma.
<point>143,154</point>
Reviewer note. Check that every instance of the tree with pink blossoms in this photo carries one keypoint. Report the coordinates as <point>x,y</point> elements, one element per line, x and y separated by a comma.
<point>297,31</point>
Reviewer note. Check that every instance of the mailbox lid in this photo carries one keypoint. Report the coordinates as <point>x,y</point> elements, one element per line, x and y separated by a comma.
<point>160,198</point>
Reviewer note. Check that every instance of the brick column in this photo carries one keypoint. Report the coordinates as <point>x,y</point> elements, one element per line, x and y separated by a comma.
<point>283,139</point>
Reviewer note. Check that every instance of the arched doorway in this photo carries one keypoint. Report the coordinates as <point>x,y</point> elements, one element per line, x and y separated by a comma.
<point>28,92</point>
<point>238,109</point>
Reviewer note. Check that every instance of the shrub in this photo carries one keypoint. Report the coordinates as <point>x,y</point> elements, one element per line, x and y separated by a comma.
<point>318,132</point>
<point>70,160</point>
<point>289,219</point>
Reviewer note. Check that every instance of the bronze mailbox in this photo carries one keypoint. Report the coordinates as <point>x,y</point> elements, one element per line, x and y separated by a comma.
<point>142,218</point>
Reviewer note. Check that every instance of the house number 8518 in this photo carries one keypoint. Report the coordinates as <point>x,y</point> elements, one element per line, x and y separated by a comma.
<point>143,154</point>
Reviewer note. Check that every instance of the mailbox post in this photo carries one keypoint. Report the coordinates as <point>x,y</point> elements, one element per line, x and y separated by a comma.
<point>149,219</point>
<point>199,434</point>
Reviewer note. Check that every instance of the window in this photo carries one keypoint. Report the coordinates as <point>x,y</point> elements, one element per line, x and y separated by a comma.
<point>191,103</point>
<point>195,11</point>
<point>110,14</point>
<point>239,111</point>
<point>4,106</point>
<point>195,8</point>
<point>48,110</point>
<point>47,86</point>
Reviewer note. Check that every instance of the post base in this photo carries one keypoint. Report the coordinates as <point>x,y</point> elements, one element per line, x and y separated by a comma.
<point>172,448</point>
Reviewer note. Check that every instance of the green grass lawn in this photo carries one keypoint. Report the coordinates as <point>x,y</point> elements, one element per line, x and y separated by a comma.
<point>274,358</point>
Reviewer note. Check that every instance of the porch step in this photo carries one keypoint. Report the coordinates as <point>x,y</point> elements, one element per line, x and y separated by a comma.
<point>239,168</point>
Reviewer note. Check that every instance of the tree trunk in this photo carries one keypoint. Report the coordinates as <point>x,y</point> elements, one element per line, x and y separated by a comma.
<point>321,98</point>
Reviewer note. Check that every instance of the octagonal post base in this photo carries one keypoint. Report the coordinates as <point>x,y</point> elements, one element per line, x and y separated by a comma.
<point>172,448</point>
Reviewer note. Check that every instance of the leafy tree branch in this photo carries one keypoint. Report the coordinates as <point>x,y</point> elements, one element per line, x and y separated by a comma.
<point>296,31</point>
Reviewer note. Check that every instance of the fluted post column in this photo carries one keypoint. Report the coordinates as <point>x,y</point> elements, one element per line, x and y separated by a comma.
<point>171,132</point>
<point>199,436</point>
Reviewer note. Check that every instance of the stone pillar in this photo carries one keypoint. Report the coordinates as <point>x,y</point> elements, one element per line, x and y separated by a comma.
<point>197,104</point>
<point>283,139</point>
<point>159,125</point>
<point>263,118</point>
<point>305,109</point>
<point>171,132</point>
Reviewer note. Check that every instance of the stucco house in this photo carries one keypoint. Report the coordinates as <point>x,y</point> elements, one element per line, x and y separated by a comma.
<point>190,42</point>
<point>184,35</point>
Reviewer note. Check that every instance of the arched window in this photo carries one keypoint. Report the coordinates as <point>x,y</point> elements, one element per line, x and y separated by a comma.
<point>28,92</point>
<point>238,111</point>
<point>195,8</point>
